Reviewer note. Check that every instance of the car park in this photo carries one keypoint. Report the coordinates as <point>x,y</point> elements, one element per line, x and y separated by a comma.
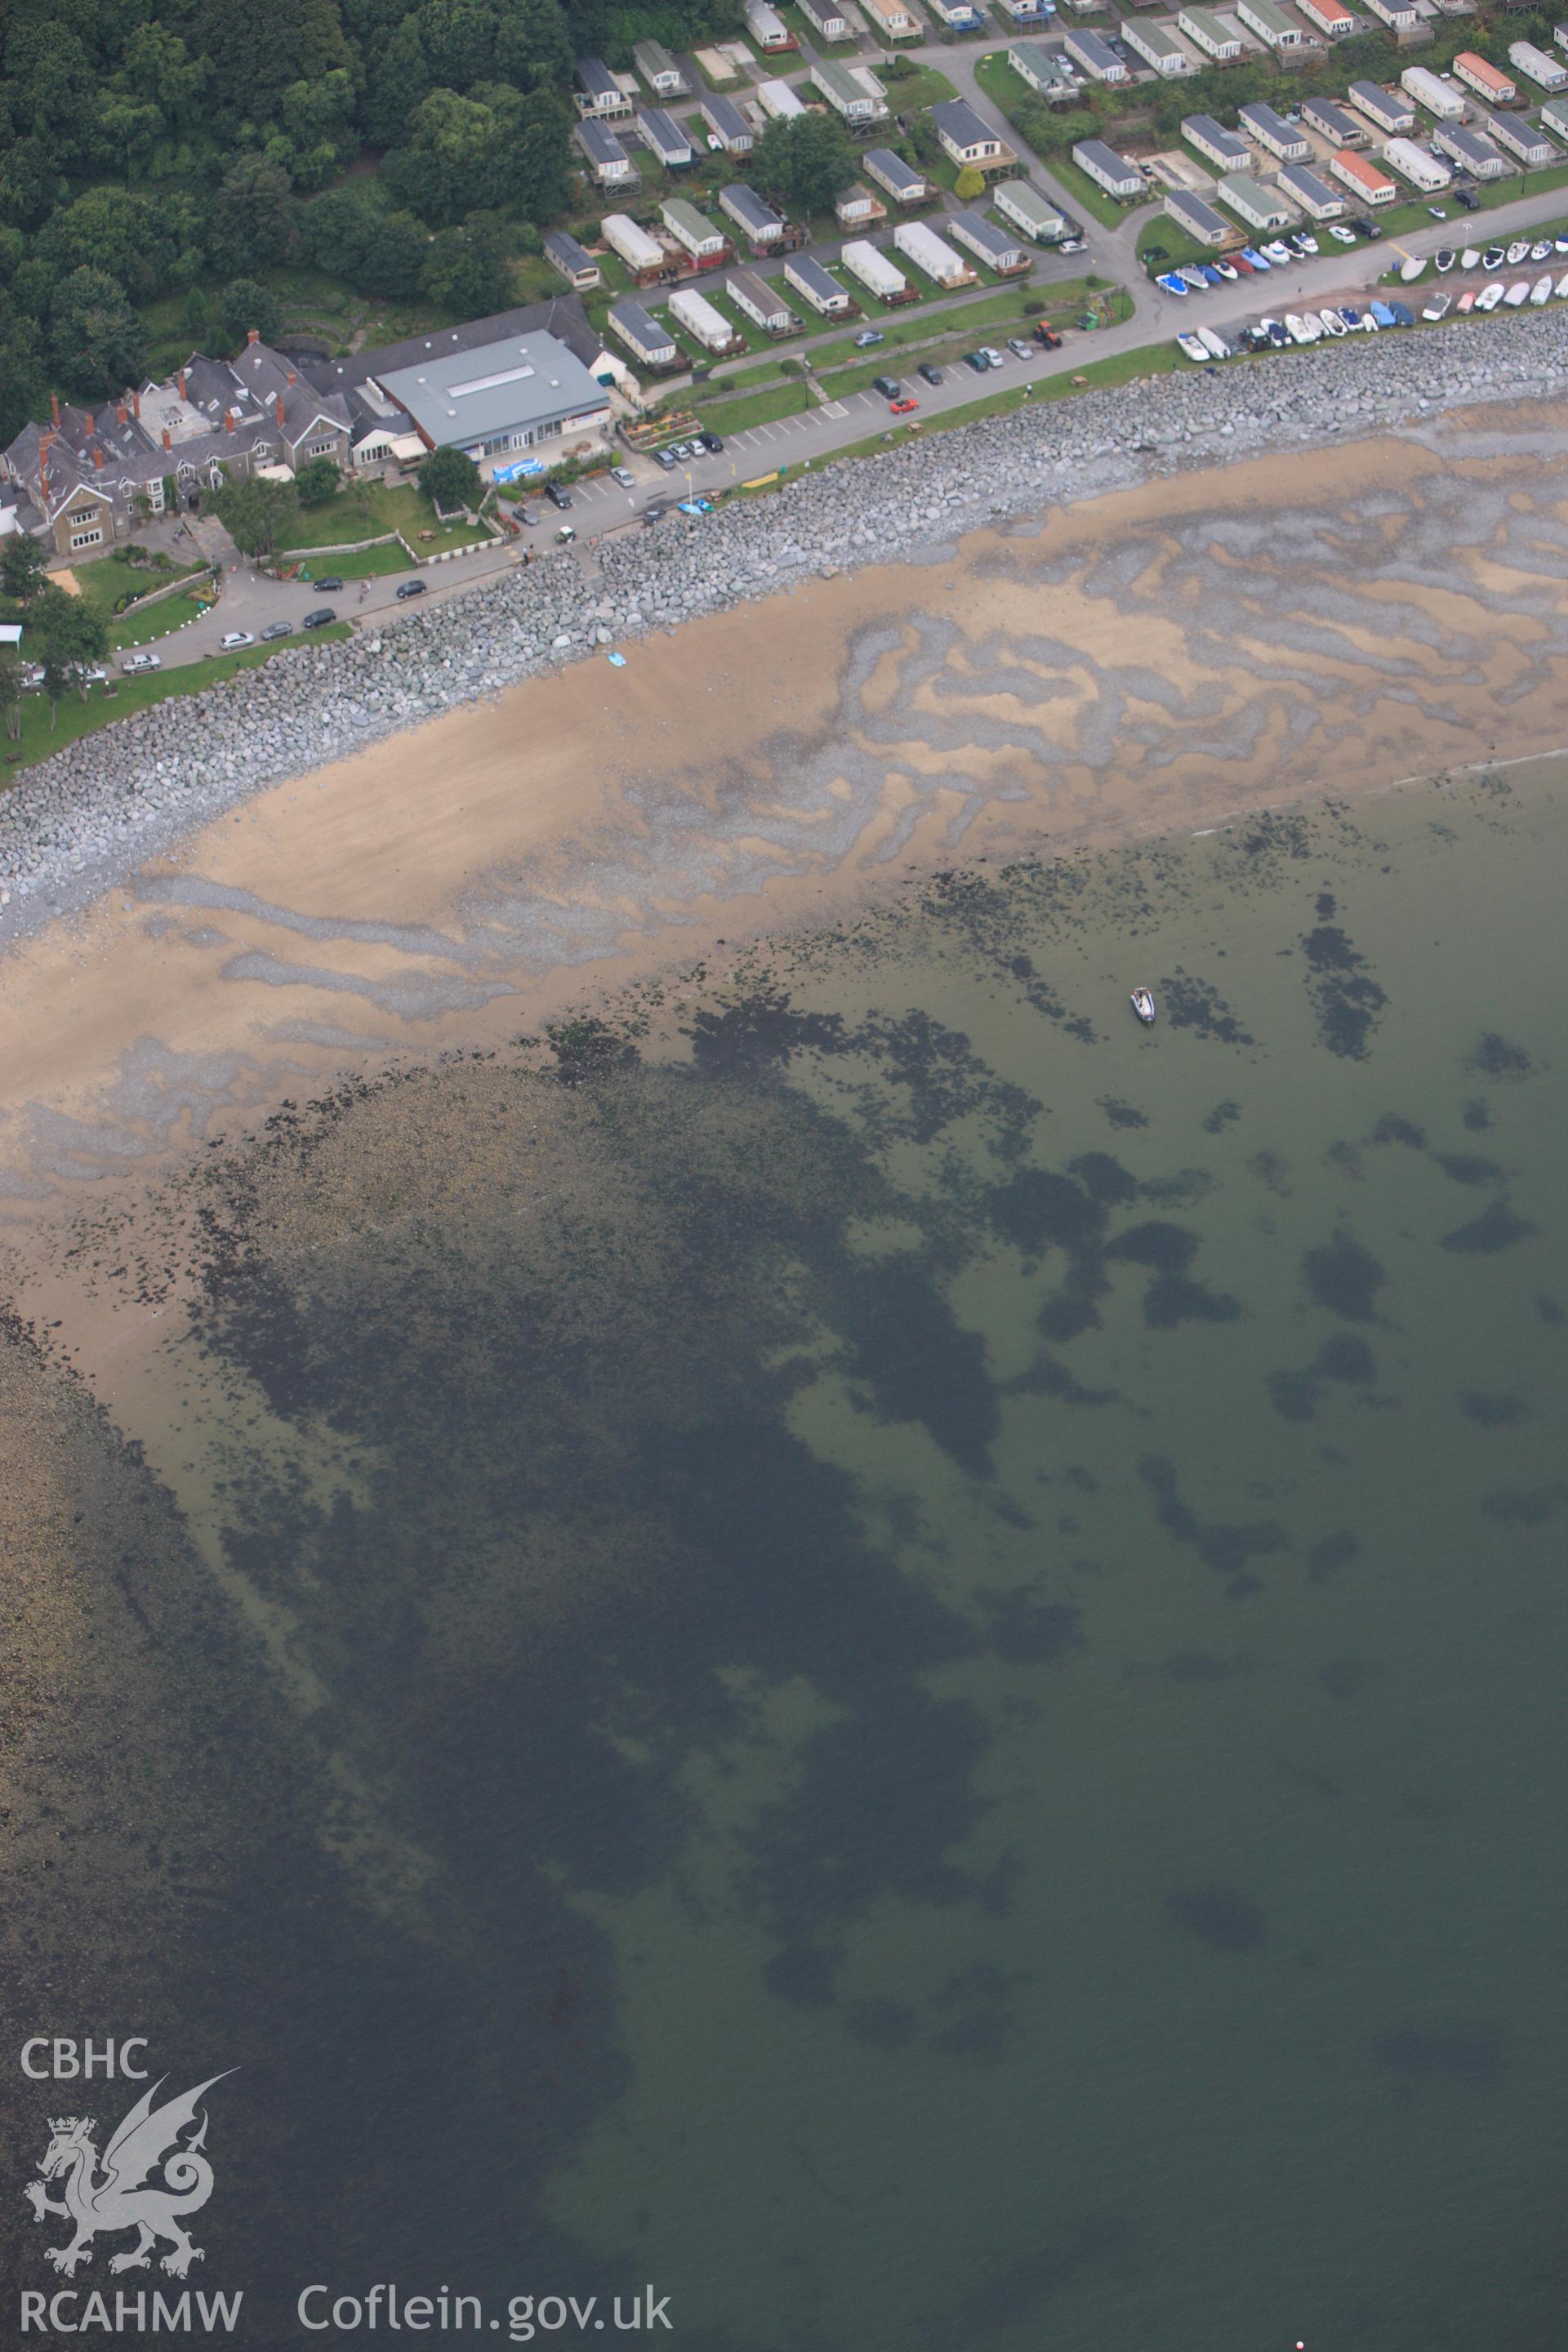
<point>557,496</point>
<point>927,373</point>
<point>276,629</point>
<point>869,338</point>
<point>330,586</point>
<point>134,663</point>
<point>407,588</point>
<point>322,618</point>
<point>232,643</point>
<point>621,474</point>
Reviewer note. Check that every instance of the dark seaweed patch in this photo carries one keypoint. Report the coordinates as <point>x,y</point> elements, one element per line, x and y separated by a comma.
<point>1459,2055</point>
<point>1494,1058</point>
<point>1223,1115</point>
<point>1335,1552</point>
<point>1196,1004</point>
<point>1345,999</point>
<point>1392,1129</point>
<point>1477,1116</point>
<point>1173,1298</point>
<point>942,1077</point>
<point>1271,1168</point>
<point>1123,1114</point>
<point>588,1048</point>
<point>1344,1357</point>
<point>920,1363</point>
<point>802,1973</point>
<point>1039,1208</point>
<point>1104,1177</point>
<point>1163,1248</point>
<point>1344,1279</point>
<point>885,2024</point>
<point>1465,1168</point>
<point>1046,1377</point>
<point>1497,1228</point>
<point>760,1034</point>
<point>1346,1678</point>
<point>982,2037</point>
<point>1227,1547</point>
<point>1548,1308</point>
<point>1492,1411</point>
<point>1027,1631</point>
<point>1219,1917</point>
<point>1525,1507</point>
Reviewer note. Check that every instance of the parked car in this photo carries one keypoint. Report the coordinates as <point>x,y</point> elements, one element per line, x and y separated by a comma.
<point>888,386</point>
<point>1019,348</point>
<point>1341,234</point>
<point>665,458</point>
<point>991,355</point>
<point>136,662</point>
<point>977,361</point>
<point>1468,200</point>
<point>654,513</point>
<point>927,373</point>
<point>903,406</point>
<point>626,480</point>
<point>714,444</point>
<point>276,629</point>
<point>330,586</point>
<point>322,618</point>
<point>1071,245</point>
<point>232,643</point>
<point>557,496</point>
<point>869,338</point>
<point>407,588</point>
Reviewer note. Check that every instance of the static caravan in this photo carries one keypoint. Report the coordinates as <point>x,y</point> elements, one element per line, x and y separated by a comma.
<point>1522,139</point>
<point>1331,121</point>
<point>727,124</point>
<point>1330,17</point>
<point>1044,74</point>
<point>1201,221</point>
<point>999,249</point>
<point>598,91</point>
<point>816,288</point>
<point>1399,16</point>
<point>845,94</point>
<point>826,19</point>
<point>1365,181</point>
<point>1485,79</point>
<point>895,177</point>
<point>1271,131</point>
<point>658,70</point>
<point>1029,16</point>
<point>892,20</point>
<point>704,239</point>
<point>1257,206</point>
<point>1215,39</point>
<point>879,275</point>
<point>1096,55</point>
<point>1215,144</point>
<point>1107,169</point>
<point>643,254</point>
<point>645,337</point>
<point>964,135</point>
<point>607,160</point>
<point>1534,64</point>
<point>1158,46</point>
<point>1271,24</point>
<point>1554,114</point>
<point>571,261</point>
<point>702,322</point>
<point>1438,96</point>
<point>1316,198</point>
<point>958,15</point>
<point>1389,111</point>
<point>857,208</point>
<point>778,102</point>
<point>761,303</point>
<point>1036,214</point>
<point>767,27</point>
<point>1471,152</point>
<point>665,136</point>
<point>1414,163</point>
<point>760,224</point>
<point>920,245</point>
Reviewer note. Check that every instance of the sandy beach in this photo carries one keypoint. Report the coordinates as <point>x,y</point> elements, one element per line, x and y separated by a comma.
<point>1324,624</point>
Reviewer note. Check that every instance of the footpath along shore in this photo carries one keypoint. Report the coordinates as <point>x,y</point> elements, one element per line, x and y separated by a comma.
<point>73,825</point>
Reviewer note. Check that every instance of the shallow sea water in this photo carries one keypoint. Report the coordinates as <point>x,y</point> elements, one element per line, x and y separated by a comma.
<point>936,1626</point>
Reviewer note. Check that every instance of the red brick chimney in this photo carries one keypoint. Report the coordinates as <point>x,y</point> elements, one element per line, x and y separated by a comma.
<point>180,381</point>
<point>136,404</point>
<point>55,408</point>
<point>120,413</point>
<point>97,456</point>
<point>292,377</point>
<point>168,438</point>
<point>254,336</point>
<point>277,404</point>
<point>228,420</point>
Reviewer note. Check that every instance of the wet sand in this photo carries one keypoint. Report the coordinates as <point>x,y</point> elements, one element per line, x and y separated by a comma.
<point>1320,625</point>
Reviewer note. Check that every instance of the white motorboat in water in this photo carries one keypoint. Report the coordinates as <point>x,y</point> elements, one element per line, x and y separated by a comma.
<point>1144,1006</point>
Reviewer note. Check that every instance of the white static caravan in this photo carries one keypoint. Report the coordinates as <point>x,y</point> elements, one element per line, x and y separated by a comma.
<point>1471,152</point>
<point>642,254</point>
<point>704,239</point>
<point>727,124</point>
<point>826,19</point>
<point>1413,163</point>
<point>643,335</point>
<point>923,247</point>
<point>822,293</point>
<point>749,212</point>
<point>1107,169</point>
<point>1095,54</point>
<point>701,321</point>
<point>1271,24</point>
<point>664,136</point>
<point>569,260</point>
<point>767,27</point>
<point>1037,215</point>
<point>1478,74</point>
<point>1367,183</point>
<point>778,102</point>
<point>895,177</point>
<point>607,160</point>
<point>1001,249</point>
<point>1210,33</point>
<point>1257,207</point>
<point>1439,98</point>
<point>1393,114</point>
<point>1201,221</point>
<point>879,275</point>
<point>1271,131</point>
<point>1215,144</point>
<point>1527,145</point>
<point>761,303</point>
<point>1316,198</point>
<point>1534,64</point>
<point>1158,46</point>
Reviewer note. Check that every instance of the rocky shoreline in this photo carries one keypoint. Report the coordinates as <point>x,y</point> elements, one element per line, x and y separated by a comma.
<point>69,826</point>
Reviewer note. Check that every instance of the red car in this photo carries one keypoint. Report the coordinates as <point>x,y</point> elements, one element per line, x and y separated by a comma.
<point>902,407</point>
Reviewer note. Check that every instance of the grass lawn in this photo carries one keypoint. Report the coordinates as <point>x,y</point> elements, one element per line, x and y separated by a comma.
<point>956,329</point>
<point>156,621</point>
<point>1078,184</point>
<point>371,563</point>
<point>1004,89</point>
<point>103,582</point>
<point>755,408</point>
<point>371,507</point>
<point>75,717</point>
<point>924,87</point>
<point>1178,246</point>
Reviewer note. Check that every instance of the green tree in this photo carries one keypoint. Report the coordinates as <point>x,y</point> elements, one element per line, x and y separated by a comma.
<point>244,304</point>
<point>317,482</point>
<point>807,162</point>
<point>394,256</point>
<point>66,634</point>
<point>11,693</point>
<point>24,378</point>
<point>23,566</point>
<point>465,269</point>
<point>458,39</point>
<point>253,511</point>
<point>400,82</point>
<point>534,47</point>
<point>252,216</point>
<point>449,479</point>
<point>96,340</point>
<point>156,65</point>
<point>969,184</point>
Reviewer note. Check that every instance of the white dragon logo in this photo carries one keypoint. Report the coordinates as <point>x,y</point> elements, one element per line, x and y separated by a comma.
<point>122,2197</point>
